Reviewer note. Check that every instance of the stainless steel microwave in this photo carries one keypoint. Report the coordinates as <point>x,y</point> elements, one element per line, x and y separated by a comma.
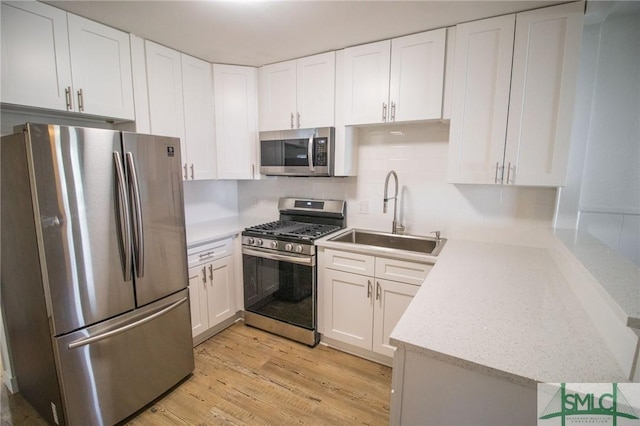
<point>301,152</point>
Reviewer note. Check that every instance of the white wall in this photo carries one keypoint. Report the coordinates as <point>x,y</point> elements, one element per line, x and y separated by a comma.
<point>209,200</point>
<point>427,202</point>
<point>602,195</point>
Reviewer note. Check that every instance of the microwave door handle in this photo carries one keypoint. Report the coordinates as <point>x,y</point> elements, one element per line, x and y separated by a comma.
<point>310,153</point>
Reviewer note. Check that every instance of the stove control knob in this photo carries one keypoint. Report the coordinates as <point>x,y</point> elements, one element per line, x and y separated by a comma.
<point>288,247</point>
<point>250,241</point>
<point>299,248</point>
<point>274,244</point>
<point>259,242</point>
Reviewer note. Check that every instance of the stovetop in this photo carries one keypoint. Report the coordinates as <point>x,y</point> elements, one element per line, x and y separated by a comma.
<point>285,230</point>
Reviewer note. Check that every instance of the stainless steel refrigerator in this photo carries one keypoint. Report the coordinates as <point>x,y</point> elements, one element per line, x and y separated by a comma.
<point>94,272</point>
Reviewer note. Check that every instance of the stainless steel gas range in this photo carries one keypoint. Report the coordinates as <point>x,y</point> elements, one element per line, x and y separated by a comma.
<point>279,267</point>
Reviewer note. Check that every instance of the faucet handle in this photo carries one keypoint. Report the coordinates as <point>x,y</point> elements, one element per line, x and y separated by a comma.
<point>437,234</point>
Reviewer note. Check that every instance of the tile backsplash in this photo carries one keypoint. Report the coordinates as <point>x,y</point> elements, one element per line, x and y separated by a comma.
<point>427,202</point>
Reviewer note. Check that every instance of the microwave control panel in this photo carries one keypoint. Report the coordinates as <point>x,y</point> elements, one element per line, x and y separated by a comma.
<point>321,153</point>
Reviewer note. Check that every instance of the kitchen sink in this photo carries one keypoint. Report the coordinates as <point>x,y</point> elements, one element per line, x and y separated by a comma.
<point>424,245</point>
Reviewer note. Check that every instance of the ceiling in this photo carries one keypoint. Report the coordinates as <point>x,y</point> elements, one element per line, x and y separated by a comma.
<point>256,33</point>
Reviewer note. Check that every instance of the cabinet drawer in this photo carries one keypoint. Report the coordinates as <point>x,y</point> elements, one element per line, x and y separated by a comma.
<point>210,251</point>
<point>399,270</point>
<point>349,262</point>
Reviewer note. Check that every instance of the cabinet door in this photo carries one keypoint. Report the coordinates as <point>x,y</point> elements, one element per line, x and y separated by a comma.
<point>366,83</point>
<point>220,291</point>
<point>316,90</point>
<point>35,55</point>
<point>278,96</point>
<point>164,82</point>
<point>101,64</point>
<point>417,76</point>
<point>545,66</point>
<point>391,301</point>
<point>198,299</point>
<point>236,120</point>
<point>482,76</point>
<point>197,90</point>
<point>348,304</point>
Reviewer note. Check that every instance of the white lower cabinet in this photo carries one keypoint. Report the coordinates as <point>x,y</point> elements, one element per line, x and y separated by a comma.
<point>212,290</point>
<point>360,305</point>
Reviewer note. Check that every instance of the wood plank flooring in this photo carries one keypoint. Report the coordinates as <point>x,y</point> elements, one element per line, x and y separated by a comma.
<point>246,376</point>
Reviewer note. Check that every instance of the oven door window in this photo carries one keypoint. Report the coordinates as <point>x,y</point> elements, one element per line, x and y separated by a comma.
<point>281,290</point>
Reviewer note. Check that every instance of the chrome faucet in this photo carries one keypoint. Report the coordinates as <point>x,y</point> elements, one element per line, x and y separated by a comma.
<point>396,228</point>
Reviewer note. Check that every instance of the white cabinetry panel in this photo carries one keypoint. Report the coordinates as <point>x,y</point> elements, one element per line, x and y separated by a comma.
<point>236,120</point>
<point>35,55</point>
<point>391,301</point>
<point>482,74</point>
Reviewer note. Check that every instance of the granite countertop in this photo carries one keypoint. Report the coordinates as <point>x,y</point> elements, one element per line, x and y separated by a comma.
<point>203,232</point>
<point>507,312</point>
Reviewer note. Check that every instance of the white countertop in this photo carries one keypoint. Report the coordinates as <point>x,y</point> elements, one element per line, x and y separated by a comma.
<point>507,312</point>
<point>203,232</point>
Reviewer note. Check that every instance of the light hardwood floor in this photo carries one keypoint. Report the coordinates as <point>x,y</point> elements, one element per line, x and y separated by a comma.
<point>246,376</point>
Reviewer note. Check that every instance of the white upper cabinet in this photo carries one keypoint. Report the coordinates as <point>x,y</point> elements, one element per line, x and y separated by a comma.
<point>543,84</point>
<point>417,76</point>
<point>316,82</point>
<point>36,70</point>
<point>482,74</point>
<point>181,105</point>
<point>514,89</point>
<point>298,94</point>
<point>236,120</point>
<point>55,60</point>
<point>197,89</point>
<point>395,80</point>
<point>164,83</point>
<point>101,66</point>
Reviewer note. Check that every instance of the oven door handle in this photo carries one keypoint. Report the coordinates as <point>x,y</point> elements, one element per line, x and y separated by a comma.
<point>307,260</point>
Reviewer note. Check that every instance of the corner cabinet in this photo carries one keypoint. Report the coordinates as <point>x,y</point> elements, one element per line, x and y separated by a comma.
<point>212,292</point>
<point>364,296</point>
<point>180,90</point>
<point>236,121</point>
<point>59,61</point>
<point>395,80</point>
<point>514,89</point>
<point>298,94</point>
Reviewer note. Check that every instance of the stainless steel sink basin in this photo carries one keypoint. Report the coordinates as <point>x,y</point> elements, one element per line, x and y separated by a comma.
<point>424,245</point>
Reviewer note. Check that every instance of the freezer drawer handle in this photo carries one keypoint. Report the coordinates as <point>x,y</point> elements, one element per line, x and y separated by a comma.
<point>112,333</point>
<point>123,213</point>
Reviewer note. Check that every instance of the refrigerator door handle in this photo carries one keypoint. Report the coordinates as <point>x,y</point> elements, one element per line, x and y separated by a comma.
<point>123,215</point>
<point>111,333</point>
<point>138,232</point>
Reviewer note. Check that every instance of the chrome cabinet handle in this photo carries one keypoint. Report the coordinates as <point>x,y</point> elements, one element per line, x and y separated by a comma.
<point>378,290</point>
<point>499,172</point>
<point>384,112</point>
<point>204,274</point>
<point>80,101</point>
<point>138,229</point>
<point>495,179</point>
<point>123,213</point>
<point>509,180</point>
<point>192,174</point>
<point>368,289</point>
<point>298,119</point>
<point>185,171</point>
<point>292,120</point>
<point>211,274</point>
<point>253,171</point>
<point>67,96</point>
<point>393,111</point>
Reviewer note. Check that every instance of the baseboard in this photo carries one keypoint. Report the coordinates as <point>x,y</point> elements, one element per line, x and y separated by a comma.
<point>356,351</point>
<point>216,329</point>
